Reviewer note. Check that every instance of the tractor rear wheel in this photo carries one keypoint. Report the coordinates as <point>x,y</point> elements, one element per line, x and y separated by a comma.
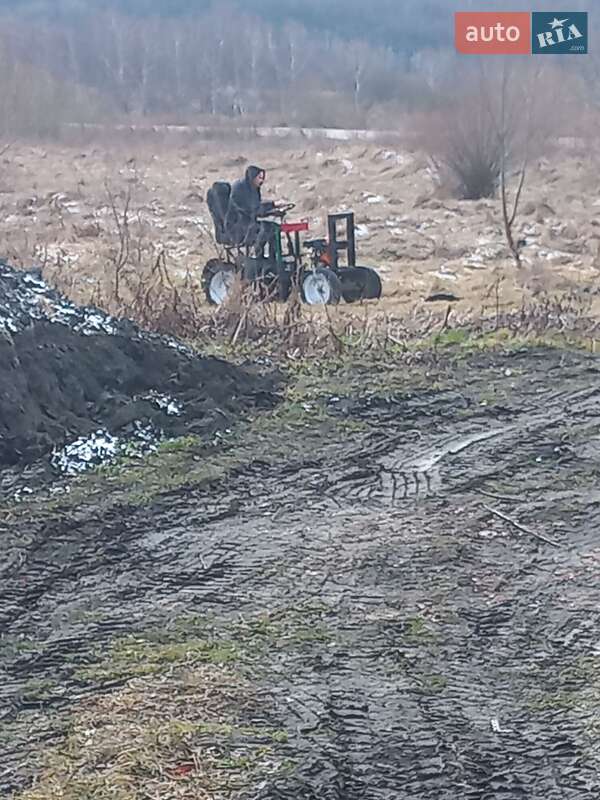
<point>360,283</point>
<point>321,287</point>
<point>217,281</point>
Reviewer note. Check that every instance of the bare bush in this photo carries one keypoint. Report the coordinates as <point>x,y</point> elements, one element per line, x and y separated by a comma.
<point>491,125</point>
<point>472,161</point>
<point>465,148</point>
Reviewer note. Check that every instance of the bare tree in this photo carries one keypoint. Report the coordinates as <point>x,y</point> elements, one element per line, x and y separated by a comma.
<point>509,217</point>
<point>120,254</point>
<point>198,64</point>
<point>515,132</point>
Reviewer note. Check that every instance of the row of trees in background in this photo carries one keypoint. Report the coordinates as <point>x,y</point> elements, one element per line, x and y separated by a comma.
<point>285,63</point>
<point>405,25</point>
<point>222,63</point>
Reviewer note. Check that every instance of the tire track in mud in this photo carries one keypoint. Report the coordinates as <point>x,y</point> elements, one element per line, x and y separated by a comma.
<point>454,655</point>
<point>390,474</point>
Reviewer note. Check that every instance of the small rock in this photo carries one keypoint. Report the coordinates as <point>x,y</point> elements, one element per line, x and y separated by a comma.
<point>421,200</point>
<point>544,211</point>
<point>529,208</point>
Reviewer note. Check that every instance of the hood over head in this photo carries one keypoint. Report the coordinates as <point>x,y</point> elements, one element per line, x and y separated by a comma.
<point>252,172</point>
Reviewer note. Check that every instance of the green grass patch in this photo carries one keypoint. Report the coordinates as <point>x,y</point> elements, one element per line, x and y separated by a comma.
<point>132,656</point>
<point>417,629</point>
<point>39,689</point>
<point>575,687</point>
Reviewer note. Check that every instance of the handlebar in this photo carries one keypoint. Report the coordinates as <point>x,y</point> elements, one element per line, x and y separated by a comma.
<point>280,210</point>
<point>277,211</point>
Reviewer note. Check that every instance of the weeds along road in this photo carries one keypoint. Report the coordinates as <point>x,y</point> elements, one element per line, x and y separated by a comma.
<point>398,597</point>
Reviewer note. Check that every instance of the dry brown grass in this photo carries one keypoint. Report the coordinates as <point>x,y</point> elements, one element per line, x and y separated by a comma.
<point>188,733</point>
<point>124,225</point>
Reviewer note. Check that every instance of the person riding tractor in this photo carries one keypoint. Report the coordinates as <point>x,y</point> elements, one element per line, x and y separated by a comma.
<point>245,205</point>
<point>265,250</point>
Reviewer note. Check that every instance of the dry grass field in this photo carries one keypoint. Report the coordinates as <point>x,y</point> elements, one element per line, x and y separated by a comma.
<point>112,218</point>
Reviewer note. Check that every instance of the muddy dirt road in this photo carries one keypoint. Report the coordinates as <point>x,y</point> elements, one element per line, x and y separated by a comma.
<point>415,606</point>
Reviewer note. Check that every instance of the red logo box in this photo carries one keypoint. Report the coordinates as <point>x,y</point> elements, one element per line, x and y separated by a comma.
<point>492,33</point>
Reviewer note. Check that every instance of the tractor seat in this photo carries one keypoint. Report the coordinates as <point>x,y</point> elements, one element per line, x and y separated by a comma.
<point>217,199</point>
<point>316,243</point>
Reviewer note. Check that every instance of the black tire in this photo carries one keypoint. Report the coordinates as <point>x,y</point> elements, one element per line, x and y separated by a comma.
<point>269,282</point>
<point>217,278</point>
<point>360,283</point>
<point>321,286</point>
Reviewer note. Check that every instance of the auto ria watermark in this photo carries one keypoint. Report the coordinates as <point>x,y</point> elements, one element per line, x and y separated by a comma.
<point>521,33</point>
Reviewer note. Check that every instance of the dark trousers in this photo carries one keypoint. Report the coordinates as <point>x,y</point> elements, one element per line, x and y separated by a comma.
<point>264,235</point>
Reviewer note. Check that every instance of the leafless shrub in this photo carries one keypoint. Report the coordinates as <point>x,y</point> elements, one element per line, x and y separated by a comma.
<point>560,313</point>
<point>554,312</point>
<point>491,124</point>
<point>121,253</point>
<point>465,149</point>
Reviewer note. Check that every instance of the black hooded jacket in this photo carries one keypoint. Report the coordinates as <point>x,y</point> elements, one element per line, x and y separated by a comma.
<point>245,204</point>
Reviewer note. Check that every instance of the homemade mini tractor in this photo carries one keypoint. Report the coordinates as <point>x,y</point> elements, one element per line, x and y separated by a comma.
<point>314,265</point>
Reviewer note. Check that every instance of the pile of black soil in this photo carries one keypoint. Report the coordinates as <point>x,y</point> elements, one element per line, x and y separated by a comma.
<point>66,372</point>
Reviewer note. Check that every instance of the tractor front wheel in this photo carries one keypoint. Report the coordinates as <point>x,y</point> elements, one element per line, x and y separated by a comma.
<point>321,287</point>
